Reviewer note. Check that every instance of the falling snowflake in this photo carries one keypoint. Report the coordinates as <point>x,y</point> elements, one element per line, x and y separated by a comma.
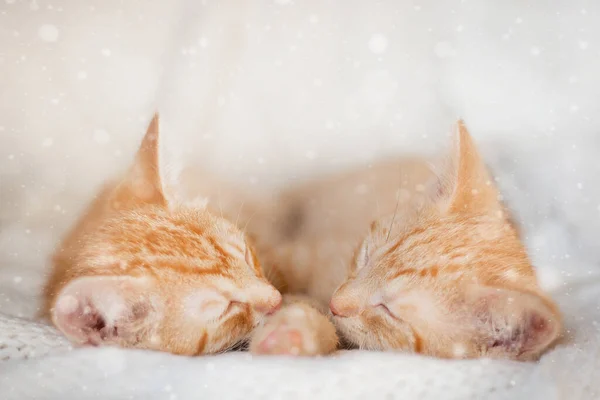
<point>48,142</point>
<point>535,51</point>
<point>444,50</point>
<point>459,350</point>
<point>101,136</point>
<point>378,43</point>
<point>311,154</point>
<point>105,52</point>
<point>48,33</point>
<point>81,75</point>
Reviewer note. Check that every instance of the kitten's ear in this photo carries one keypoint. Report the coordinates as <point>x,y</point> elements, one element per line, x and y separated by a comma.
<point>142,184</point>
<point>512,324</point>
<point>103,309</point>
<point>466,185</point>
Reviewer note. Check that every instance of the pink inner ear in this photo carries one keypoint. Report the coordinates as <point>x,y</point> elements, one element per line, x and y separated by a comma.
<point>518,324</point>
<point>94,310</point>
<point>81,321</point>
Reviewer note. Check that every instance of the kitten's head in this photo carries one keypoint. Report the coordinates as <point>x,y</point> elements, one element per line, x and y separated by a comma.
<point>156,275</point>
<point>451,279</point>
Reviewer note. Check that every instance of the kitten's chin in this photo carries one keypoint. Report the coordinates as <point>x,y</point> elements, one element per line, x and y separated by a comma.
<point>352,333</point>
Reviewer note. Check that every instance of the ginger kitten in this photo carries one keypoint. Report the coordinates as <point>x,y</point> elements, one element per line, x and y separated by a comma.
<point>141,271</point>
<point>416,261</point>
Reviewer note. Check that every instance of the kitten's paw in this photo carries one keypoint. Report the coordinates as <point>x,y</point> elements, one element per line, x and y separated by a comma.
<point>293,330</point>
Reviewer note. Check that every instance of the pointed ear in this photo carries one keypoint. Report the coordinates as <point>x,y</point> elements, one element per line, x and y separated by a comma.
<point>142,183</point>
<point>102,309</point>
<point>512,324</point>
<point>465,185</point>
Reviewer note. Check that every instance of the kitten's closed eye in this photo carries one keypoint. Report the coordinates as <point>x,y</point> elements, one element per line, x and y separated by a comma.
<point>204,305</point>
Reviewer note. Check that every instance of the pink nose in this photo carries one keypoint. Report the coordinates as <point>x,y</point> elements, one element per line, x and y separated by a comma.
<point>342,310</point>
<point>334,310</point>
<point>269,306</point>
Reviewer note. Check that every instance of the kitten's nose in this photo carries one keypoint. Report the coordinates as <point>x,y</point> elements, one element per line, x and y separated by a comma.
<point>341,310</point>
<point>270,304</point>
<point>334,309</point>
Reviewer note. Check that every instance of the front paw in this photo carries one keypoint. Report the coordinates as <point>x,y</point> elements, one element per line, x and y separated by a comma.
<point>293,330</point>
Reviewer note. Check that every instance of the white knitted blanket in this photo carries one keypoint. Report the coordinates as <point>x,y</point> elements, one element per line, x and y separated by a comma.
<point>38,363</point>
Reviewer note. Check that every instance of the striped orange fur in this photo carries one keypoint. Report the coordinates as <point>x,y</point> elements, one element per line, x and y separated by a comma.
<point>138,271</point>
<point>452,279</point>
<point>417,261</point>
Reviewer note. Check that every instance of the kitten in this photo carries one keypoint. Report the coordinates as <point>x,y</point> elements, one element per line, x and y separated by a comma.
<point>417,261</point>
<point>140,271</point>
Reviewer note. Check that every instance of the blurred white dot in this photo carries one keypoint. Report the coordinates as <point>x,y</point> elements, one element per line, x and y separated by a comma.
<point>11,156</point>
<point>17,279</point>
<point>361,189</point>
<point>311,154</point>
<point>10,1</point>
<point>573,79</point>
<point>203,41</point>
<point>105,52</point>
<point>583,44</point>
<point>81,75</point>
<point>378,43</point>
<point>511,275</point>
<point>574,108</point>
<point>101,136</point>
<point>459,350</point>
<point>535,51</point>
<point>34,5</point>
<point>283,2</point>
<point>444,49</point>
<point>313,19</point>
<point>48,33</point>
<point>580,185</point>
<point>460,28</point>
<point>518,20</point>
<point>48,142</point>
<point>261,160</point>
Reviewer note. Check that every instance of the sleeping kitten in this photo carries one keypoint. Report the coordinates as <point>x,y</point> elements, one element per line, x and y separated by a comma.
<point>416,261</point>
<point>140,271</point>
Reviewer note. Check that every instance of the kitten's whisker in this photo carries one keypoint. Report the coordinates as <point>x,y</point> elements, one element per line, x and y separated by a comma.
<point>239,212</point>
<point>394,217</point>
